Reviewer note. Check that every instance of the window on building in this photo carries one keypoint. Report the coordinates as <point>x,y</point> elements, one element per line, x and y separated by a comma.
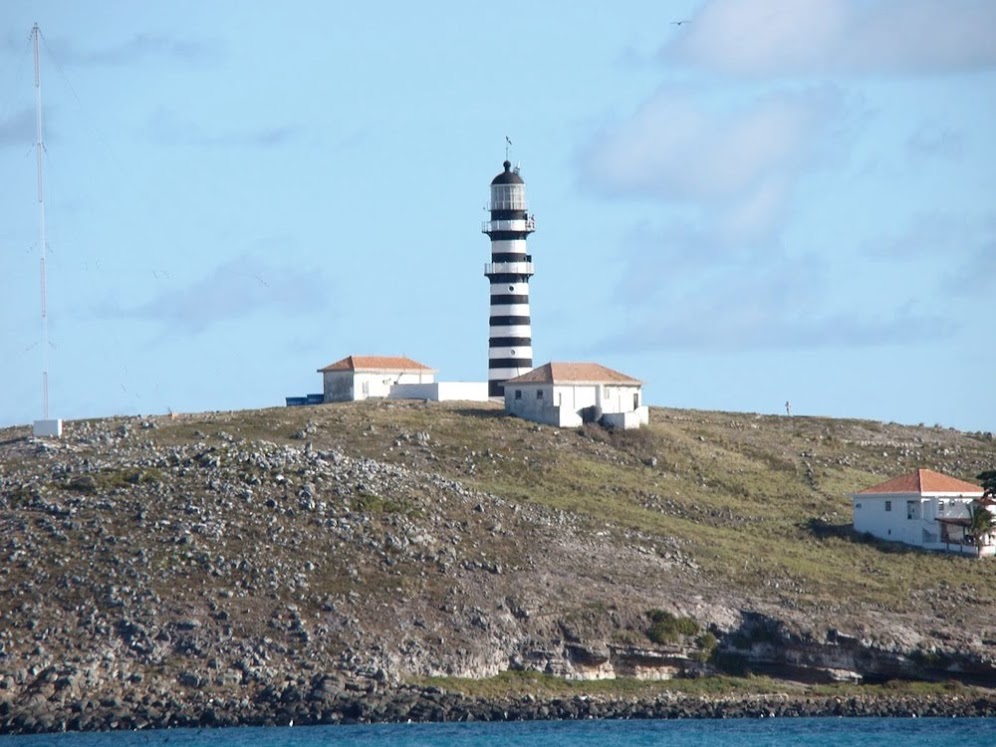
<point>518,394</point>
<point>940,507</point>
<point>539,394</point>
<point>636,400</point>
<point>888,505</point>
<point>857,505</point>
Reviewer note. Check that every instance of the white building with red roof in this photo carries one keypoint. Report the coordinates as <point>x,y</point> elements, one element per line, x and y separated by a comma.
<point>569,394</point>
<point>359,377</point>
<point>925,509</point>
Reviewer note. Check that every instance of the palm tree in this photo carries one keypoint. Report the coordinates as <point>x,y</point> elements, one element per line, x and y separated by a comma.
<point>988,480</point>
<point>980,525</point>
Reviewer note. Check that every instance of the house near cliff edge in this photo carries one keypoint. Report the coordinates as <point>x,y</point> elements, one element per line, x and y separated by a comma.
<point>569,394</point>
<point>925,509</point>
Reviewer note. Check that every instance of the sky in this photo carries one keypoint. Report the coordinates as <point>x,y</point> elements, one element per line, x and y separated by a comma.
<point>742,203</point>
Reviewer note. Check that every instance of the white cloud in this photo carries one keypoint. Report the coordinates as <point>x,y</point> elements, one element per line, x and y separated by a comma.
<point>818,37</point>
<point>18,129</point>
<point>138,49</point>
<point>235,289</point>
<point>780,305</point>
<point>168,129</point>
<point>740,163</point>
<point>939,141</point>
<point>676,148</point>
<point>712,269</point>
<point>929,234</point>
<point>753,217</point>
<point>971,279</point>
<point>685,287</point>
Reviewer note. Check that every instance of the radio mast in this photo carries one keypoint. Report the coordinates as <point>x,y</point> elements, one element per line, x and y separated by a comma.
<point>45,426</point>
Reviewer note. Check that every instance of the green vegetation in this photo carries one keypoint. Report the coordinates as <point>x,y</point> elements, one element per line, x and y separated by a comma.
<point>759,501</point>
<point>518,684</point>
<point>980,524</point>
<point>514,683</point>
<point>987,479</point>
<point>105,480</point>
<point>377,506</point>
<point>666,628</point>
<point>707,643</point>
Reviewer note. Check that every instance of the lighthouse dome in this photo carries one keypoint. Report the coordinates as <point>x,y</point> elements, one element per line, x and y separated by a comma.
<point>508,176</point>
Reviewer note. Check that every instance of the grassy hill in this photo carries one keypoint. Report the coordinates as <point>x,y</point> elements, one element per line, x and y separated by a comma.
<point>759,502</point>
<point>234,552</point>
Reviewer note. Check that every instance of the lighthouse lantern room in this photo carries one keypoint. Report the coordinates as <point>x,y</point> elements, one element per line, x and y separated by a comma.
<point>510,342</point>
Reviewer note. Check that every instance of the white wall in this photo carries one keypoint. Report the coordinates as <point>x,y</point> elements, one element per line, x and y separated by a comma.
<point>624,420</point>
<point>346,386</point>
<point>528,404</point>
<point>539,409</point>
<point>337,386</point>
<point>443,391</point>
<point>912,518</point>
<point>47,428</point>
<point>619,398</point>
<point>575,397</point>
<point>562,404</point>
<point>882,516</point>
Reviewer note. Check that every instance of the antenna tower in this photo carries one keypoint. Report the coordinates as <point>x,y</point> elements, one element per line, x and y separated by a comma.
<point>44,427</point>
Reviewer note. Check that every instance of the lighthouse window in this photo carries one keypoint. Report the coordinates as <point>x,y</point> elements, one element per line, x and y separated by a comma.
<point>507,197</point>
<point>511,288</point>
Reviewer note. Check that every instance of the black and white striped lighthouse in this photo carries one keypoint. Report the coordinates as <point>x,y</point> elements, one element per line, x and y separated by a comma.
<point>510,343</point>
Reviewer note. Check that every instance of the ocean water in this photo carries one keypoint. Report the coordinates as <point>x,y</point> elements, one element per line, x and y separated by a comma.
<point>835,732</point>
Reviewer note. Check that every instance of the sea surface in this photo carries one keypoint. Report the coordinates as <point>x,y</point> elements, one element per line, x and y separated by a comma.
<point>836,732</point>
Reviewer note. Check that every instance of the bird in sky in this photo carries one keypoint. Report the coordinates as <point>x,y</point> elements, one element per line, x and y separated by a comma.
<point>679,23</point>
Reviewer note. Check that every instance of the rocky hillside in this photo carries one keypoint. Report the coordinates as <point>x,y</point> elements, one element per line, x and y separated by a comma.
<point>281,553</point>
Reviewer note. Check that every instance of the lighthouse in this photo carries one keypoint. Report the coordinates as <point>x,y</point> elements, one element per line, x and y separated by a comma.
<point>510,340</point>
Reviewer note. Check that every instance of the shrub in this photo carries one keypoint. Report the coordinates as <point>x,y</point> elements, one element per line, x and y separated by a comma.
<point>707,644</point>
<point>666,628</point>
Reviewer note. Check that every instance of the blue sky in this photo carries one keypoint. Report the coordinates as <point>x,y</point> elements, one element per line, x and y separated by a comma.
<point>778,200</point>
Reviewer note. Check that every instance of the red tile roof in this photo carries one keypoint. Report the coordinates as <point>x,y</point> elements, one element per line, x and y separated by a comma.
<point>376,363</point>
<point>573,373</point>
<point>923,481</point>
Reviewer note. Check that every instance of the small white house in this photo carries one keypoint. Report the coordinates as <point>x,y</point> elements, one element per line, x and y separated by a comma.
<point>924,509</point>
<point>569,394</point>
<point>359,377</point>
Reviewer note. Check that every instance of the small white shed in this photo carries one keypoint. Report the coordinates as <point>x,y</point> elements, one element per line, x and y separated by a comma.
<point>358,377</point>
<point>569,394</point>
<point>925,509</point>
